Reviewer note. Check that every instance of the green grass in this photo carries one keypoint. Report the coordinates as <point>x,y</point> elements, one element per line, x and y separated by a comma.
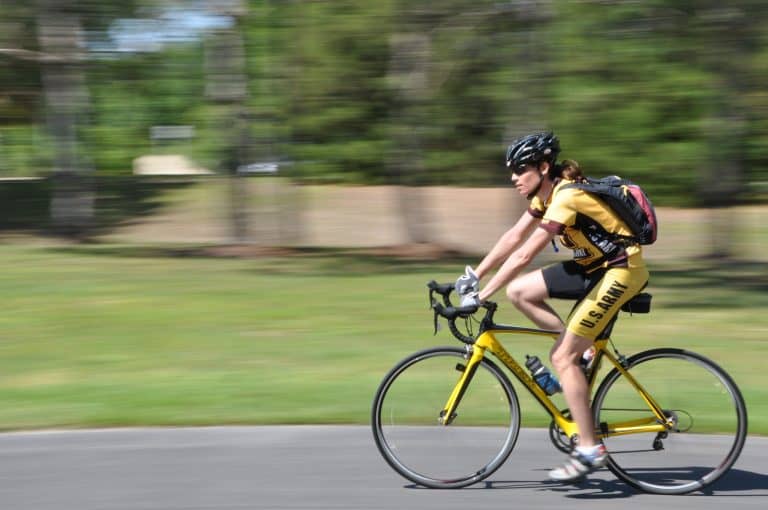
<point>113,336</point>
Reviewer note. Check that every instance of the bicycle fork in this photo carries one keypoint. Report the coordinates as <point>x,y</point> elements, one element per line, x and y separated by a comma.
<point>448,414</point>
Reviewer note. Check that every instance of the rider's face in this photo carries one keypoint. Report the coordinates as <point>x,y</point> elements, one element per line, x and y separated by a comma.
<point>526,179</point>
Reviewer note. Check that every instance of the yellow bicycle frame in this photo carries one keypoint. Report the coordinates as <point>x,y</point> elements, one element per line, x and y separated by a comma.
<point>656,422</point>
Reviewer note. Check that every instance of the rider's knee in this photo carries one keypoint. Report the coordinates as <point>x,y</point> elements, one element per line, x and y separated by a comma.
<point>563,357</point>
<point>558,359</point>
<point>515,294</point>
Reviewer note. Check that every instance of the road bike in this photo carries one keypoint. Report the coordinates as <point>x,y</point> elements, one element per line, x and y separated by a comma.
<point>673,421</point>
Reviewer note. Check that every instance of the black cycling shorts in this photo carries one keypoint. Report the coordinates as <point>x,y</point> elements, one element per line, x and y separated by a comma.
<point>568,280</point>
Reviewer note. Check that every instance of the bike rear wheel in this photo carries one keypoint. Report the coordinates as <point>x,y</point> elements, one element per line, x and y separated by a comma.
<point>407,428</point>
<point>707,406</point>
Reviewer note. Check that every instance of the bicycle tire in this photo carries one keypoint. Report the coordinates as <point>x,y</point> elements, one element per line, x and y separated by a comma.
<point>701,397</point>
<point>406,428</point>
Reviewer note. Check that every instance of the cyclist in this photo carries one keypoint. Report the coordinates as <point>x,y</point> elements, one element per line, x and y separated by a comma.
<point>603,274</point>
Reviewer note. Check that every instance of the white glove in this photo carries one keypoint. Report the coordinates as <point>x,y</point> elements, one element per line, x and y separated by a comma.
<point>468,282</point>
<point>470,299</point>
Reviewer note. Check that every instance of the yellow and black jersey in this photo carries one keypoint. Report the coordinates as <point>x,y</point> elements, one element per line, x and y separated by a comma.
<point>585,224</point>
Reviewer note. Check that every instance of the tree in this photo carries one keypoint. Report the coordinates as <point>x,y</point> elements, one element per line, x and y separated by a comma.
<point>727,37</point>
<point>227,87</point>
<point>67,100</point>
<point>59,60</point>
<point>410,60</point>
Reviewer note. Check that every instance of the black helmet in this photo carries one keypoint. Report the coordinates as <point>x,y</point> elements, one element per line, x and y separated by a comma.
<point>533,149</point>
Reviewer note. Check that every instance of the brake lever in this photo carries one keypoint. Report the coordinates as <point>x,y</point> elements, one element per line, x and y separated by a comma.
<point>434,309</point>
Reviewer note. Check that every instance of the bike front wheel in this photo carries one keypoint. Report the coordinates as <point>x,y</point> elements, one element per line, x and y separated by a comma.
<point>408,429</point>
<point>705,405</point>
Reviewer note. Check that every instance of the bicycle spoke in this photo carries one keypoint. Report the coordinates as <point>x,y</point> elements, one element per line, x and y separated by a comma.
<point>408,429</point>
<point>706,422</point>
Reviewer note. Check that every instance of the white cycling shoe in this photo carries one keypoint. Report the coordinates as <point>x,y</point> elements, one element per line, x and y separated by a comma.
<point>579,465</point>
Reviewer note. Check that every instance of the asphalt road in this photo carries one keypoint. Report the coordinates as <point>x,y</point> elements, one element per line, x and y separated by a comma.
<point>301,467</point>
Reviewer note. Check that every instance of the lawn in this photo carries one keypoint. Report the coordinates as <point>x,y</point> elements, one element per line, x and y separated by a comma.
<point>109,335</point>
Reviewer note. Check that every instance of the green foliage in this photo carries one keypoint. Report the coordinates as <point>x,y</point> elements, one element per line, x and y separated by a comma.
<point>337,58</point>
<point>131,95</point>
<point>24,150</point>
<point>646,89</point>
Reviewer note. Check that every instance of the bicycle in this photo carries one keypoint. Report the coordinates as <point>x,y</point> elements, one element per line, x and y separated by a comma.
<point>449,417</point>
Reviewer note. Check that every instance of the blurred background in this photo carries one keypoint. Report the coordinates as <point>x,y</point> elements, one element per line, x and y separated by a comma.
<point>212,130</point>
<point>100,103</point>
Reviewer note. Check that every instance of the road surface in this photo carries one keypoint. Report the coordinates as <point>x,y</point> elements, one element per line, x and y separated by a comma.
<point>305,467</point>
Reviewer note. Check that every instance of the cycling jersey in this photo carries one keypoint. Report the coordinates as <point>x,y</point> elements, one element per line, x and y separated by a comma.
<point>585,224</point>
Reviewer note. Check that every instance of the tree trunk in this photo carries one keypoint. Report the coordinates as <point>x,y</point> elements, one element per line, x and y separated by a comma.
<point>66,97</point>
<point>723,179</point>
<point>226,86</point>
<point>408,75</point>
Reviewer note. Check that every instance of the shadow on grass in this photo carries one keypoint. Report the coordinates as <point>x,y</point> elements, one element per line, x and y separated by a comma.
<point>25,205</point>
<point>727,283</point>
<point>332,262</point>
<point>712,285</point>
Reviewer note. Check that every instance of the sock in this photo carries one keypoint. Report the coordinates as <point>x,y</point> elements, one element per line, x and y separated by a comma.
<point>590,451</point>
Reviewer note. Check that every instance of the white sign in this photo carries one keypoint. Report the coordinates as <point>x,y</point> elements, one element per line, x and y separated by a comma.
<point>171,132</point>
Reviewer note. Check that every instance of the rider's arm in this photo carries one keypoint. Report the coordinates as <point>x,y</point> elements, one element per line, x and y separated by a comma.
<point>517,261</point>
<point>508,243</point>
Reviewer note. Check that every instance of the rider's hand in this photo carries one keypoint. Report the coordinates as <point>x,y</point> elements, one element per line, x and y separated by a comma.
<point>471,299</point>
<point>468,282</point>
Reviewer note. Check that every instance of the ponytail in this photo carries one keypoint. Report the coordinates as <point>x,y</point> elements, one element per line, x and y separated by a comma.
<point>568,169</point>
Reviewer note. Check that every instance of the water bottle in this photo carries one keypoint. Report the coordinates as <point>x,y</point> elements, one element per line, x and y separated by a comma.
<point>542,375</point>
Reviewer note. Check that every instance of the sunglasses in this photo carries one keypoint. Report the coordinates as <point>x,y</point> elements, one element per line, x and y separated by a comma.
<point>520,169</point>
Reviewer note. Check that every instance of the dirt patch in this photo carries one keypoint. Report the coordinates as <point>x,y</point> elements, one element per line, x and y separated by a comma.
<point>287,220</point>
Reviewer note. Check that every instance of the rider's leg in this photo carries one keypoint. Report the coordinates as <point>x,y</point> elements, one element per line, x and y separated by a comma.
<point>588,319</point>
<point>565,357</point>
<point>528,293</point>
